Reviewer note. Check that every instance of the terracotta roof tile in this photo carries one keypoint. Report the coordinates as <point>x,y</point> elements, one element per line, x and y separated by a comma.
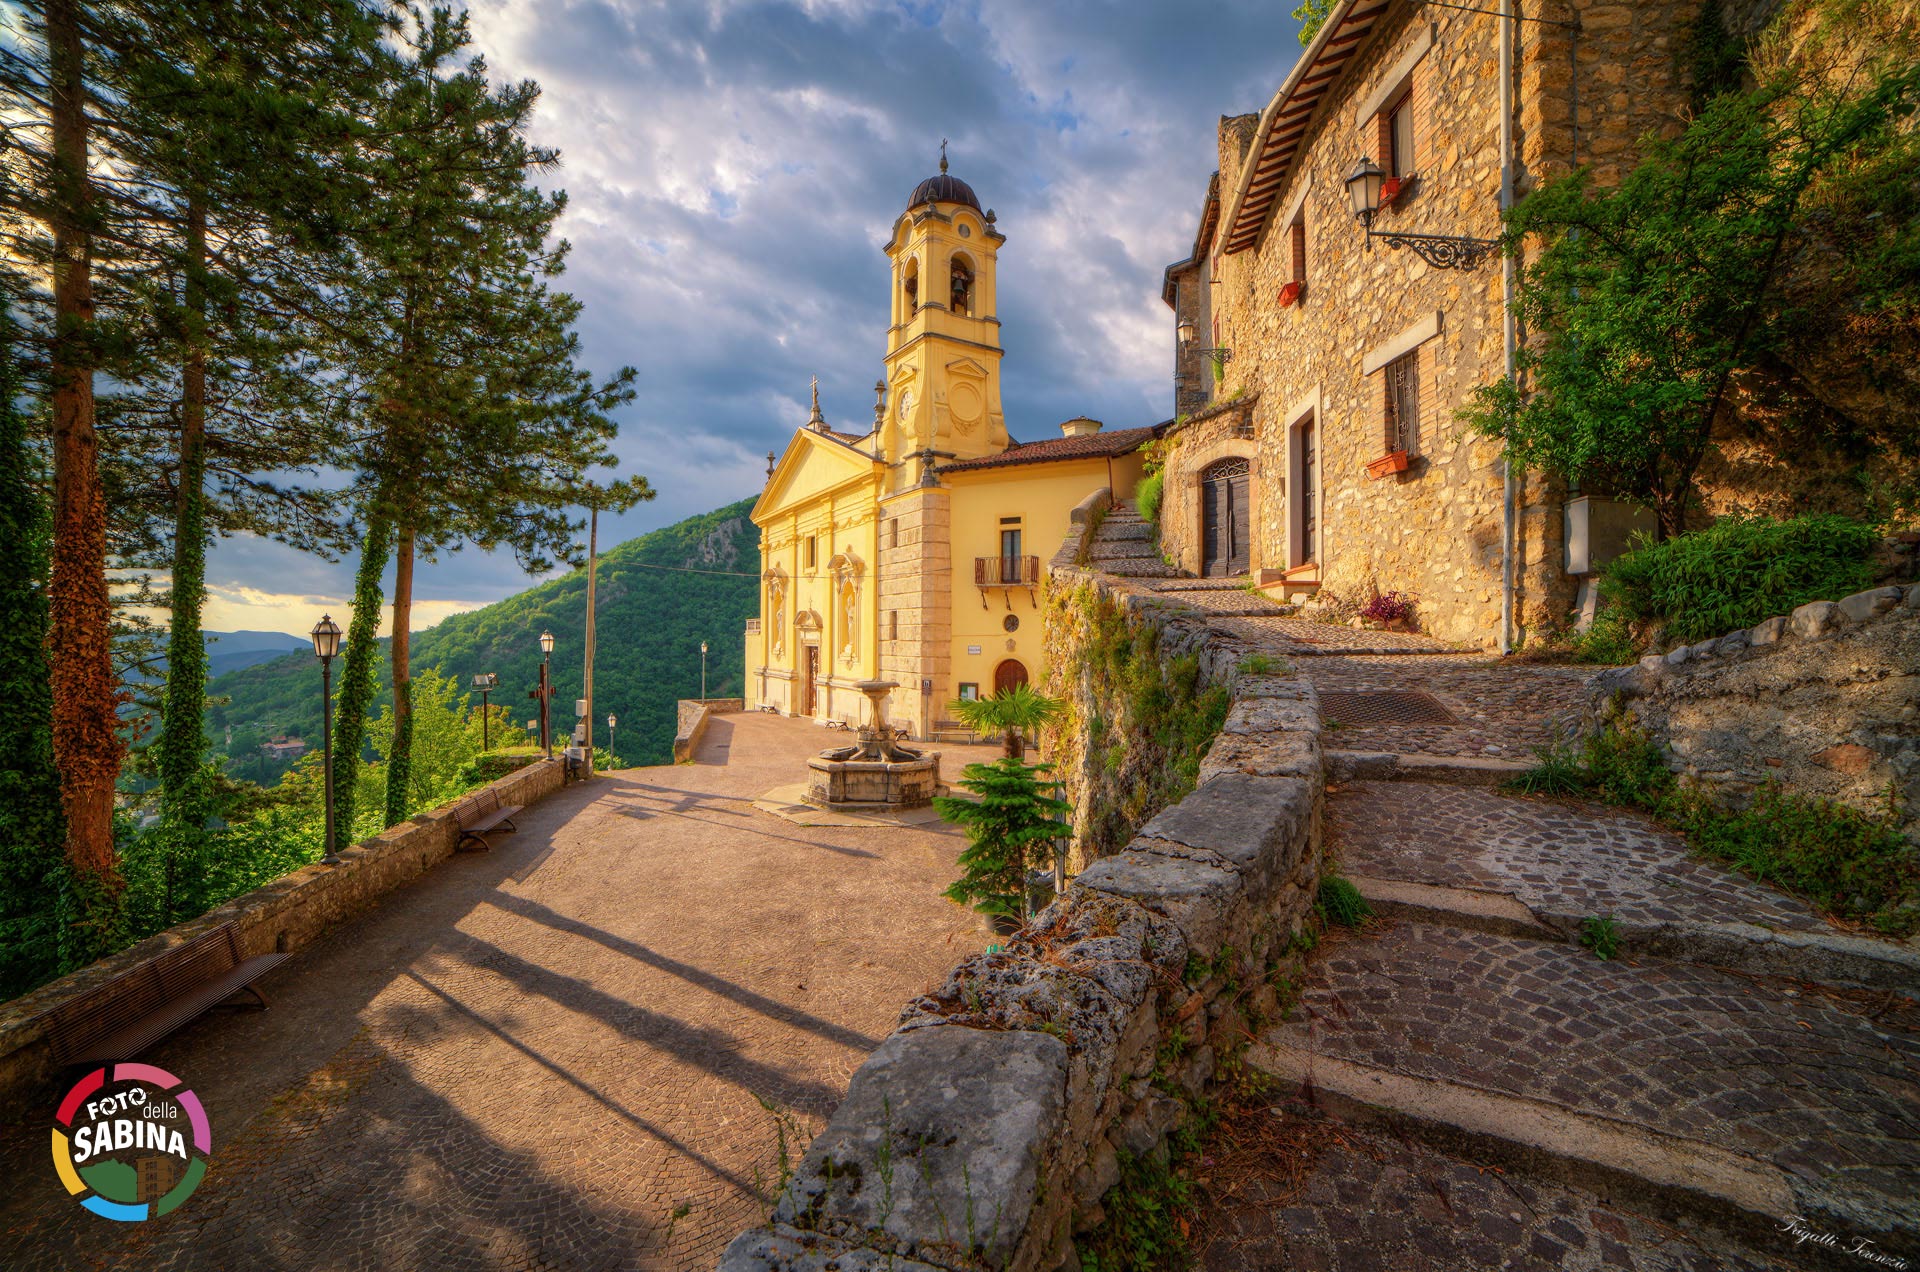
<point>1087,446</point>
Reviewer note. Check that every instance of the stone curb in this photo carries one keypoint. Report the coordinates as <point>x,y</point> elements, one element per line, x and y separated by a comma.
<point>1825,958</point>
<point>1452,770</point>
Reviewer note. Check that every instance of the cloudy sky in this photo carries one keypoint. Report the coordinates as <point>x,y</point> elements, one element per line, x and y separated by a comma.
<point>733,168</point>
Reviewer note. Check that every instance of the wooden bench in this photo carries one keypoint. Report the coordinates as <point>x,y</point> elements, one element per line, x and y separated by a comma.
<point>481,815</point>
<point>123,1016</point>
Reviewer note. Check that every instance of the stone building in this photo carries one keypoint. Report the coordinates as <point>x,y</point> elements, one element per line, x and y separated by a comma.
<point>1319,383</point>
<point>914,551</point>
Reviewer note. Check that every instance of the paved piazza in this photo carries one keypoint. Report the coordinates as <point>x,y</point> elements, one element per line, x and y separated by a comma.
<point>553,1055</point>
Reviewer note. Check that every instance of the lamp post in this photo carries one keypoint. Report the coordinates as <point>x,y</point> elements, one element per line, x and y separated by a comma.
<point>546,693</point>
<point>610,736</point>
<point>484,683</point>
<point>326,643</point>
<point>1183,331</point>
<point>1442,251</point>
<point>703,671</point>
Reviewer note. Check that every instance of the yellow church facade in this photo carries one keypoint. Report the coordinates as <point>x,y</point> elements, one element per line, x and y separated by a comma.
<point>915,552</point>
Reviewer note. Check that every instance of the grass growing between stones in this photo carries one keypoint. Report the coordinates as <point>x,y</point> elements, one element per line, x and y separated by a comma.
<point>1340,902</point>
<point>1852,865</point>
<point>1599,934</point>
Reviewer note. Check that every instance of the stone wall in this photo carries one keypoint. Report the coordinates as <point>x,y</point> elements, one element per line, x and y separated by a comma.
<point>282,916</point>
<point>985,1131</point>
<point>691,725</point>
<point>1824,701</point>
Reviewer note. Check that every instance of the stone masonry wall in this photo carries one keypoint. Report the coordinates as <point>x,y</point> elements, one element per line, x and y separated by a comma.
<point>1825,701</point>
<point>284,915</point>
<point>1435,529</point>
<point>986,1130</point>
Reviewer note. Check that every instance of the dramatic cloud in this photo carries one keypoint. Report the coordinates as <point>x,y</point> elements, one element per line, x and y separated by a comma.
<point>733,167</point>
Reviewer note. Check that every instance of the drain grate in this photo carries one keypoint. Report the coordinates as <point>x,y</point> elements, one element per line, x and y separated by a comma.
<point>1385,706</point>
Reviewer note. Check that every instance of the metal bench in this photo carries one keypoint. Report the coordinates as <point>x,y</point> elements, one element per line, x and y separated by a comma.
<point>123,1016</point>
<point>480,816</point>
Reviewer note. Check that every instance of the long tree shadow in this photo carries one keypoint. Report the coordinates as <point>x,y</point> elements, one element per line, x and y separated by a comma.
<point>694,800</point>
<point>772,1008</point>
<point>709,1049</point>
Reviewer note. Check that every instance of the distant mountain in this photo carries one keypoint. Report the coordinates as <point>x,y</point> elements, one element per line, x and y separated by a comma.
<point>230,651</point>
<point>659,596</point>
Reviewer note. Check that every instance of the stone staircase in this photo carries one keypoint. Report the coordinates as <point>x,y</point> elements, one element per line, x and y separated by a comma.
<point>1125,545</point>
<point>1737,1065</point>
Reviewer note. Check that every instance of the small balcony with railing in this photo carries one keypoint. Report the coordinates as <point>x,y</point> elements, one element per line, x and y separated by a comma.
<point>1006,571</point>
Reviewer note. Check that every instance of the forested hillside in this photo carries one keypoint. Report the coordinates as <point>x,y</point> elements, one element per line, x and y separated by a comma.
<point>660,595</point>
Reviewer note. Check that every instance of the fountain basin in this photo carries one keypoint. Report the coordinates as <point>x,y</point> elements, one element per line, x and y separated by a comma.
<point>872,785</point>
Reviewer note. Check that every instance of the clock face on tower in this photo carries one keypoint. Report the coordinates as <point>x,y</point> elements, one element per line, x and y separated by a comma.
<point>906,404</point>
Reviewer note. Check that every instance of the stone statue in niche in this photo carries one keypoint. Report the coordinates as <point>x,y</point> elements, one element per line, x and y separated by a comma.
<point>777,612</point>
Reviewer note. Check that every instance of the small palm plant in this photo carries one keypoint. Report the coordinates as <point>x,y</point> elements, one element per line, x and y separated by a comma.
<point>1015,713</point>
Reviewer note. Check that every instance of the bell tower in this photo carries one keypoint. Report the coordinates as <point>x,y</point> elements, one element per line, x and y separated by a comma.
<point>943,345</point>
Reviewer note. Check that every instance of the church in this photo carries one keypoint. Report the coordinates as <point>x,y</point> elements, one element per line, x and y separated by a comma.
<point>915,552</point>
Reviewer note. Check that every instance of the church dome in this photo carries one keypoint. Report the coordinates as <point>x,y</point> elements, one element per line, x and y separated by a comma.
<point>943,189</point>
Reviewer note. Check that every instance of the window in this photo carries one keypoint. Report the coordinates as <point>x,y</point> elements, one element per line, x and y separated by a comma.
<point>893,624</point>
<point>1396,156</point>
<point>893,532</point>
<point>1403,403</point>
<point>912,289</point>
<point>961,291</point>
<point>810,546</point>
<point>1298,234</point>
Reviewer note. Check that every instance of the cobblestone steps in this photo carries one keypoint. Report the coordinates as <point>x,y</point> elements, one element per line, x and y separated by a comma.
<point>1740,1099</point>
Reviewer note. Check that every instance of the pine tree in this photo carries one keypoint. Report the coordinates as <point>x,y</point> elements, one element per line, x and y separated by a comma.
<point>1016,816</point>
<point>31,868</point>
<point>480,422</point>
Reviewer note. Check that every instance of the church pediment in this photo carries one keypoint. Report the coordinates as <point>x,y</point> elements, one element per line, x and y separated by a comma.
<point>812,465</point>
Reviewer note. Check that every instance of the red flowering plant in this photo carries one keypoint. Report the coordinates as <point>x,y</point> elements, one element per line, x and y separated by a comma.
<point>1389,607</point>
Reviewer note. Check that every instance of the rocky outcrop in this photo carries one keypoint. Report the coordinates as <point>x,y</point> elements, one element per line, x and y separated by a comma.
<point>986,1130</point>
<point>1824,701</point>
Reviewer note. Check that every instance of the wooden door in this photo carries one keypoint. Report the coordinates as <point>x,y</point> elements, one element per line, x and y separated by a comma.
<point>1308,494</point>
<point>1008,674</point>
<point>810,672</point>
<point>1226,518</point>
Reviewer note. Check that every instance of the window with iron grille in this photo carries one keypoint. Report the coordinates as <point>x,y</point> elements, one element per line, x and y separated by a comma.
<point>1402,377</point>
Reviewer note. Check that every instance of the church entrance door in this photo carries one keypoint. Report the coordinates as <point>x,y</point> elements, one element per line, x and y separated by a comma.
<point>809,674</point>
<point>1008,674</point>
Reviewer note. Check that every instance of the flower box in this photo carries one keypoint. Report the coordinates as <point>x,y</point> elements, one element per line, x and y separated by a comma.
<point>1392,462</point>
<point>1390,189</point>
<point>1291,293</point>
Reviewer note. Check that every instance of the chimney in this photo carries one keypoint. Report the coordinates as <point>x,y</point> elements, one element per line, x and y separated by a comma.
<point>1081,426</point>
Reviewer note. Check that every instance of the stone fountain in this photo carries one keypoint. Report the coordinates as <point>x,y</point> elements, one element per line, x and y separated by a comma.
<point>877,774</point>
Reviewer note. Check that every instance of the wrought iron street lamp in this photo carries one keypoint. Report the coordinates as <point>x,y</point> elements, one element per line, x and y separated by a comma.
<point>703,671</point>
<point>1442,251</point>
<point>546,692</point>
<point>326,644</point>
<point>1183,330</point>
<point>484,683</point>
<point>610,735</point>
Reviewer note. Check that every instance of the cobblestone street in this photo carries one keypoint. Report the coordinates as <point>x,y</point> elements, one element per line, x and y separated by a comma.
<point>555,1055</point>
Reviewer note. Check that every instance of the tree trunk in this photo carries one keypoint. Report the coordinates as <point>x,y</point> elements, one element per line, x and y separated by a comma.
<point>357,679</point>
<point>183,742</point>
<point>87,745</point>
<point>400,753</point>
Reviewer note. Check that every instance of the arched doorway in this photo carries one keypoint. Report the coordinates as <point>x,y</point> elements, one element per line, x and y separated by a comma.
<point>1226,517</point>
<point>1008,674</point>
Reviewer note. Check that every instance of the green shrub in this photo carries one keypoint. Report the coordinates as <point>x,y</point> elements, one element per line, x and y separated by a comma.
<point>1740,571</point>
<point>491,766</point>
<point>1599,933</point>
<point>1340,902</point>
<point>1147,496</point>
<point>1608,639</point>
